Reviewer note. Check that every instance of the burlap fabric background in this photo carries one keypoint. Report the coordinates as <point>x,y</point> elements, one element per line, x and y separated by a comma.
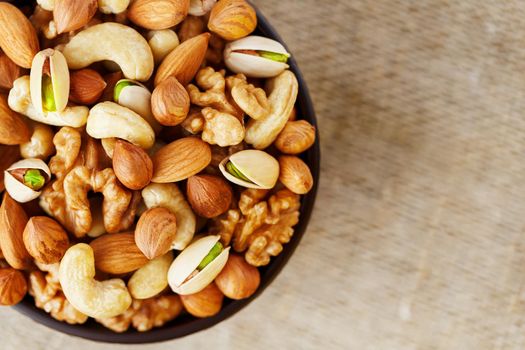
<point>417,241</point>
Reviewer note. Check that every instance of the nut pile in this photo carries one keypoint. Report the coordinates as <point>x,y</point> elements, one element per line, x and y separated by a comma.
<point>149,155</point>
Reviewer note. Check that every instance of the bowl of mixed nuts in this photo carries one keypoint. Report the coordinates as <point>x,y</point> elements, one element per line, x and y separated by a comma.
<point>159,162</point>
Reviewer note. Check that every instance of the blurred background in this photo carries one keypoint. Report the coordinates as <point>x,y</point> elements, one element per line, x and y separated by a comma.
<point>417,240</point>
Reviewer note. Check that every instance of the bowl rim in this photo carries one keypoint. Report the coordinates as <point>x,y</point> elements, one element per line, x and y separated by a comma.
<point>172,330</point>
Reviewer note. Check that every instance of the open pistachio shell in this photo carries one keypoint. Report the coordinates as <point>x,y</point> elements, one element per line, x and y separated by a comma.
<point>251,65</point>
<point>138,98</point>
<point>17,190</point>
<point>187,262</point>
<point>259,167</point>
<point>59,72</point>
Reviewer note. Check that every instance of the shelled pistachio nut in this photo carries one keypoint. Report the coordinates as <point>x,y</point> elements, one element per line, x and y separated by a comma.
<point>256,57</point>
<point>135,96</point>
<point>49,81</point>
<point>25,179</point>
<point>197,265</point>
<point>251,168</point>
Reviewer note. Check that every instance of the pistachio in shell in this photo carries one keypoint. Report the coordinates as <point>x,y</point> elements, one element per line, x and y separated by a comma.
<point>251,168</point>
<point>197,265</point>
<point>256,57</point>
<point>24,179</point>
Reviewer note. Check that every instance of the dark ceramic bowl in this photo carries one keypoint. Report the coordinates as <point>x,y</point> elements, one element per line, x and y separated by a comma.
<point>186,324</point>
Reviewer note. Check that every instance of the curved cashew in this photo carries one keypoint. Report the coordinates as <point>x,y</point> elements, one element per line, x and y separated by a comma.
<point>283,92</point>
<point>89,296</point>
<point>152,278</point>
<point>20,101</point>
<point>169,196</point>
<point>41,143</point>
<point>108,119</point>
<point>114,42</point>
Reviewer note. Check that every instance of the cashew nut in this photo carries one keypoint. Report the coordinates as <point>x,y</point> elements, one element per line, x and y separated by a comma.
<point>41,143</point>
<point>112,6</point>
<point>94,298</point>
<point>169,196</point>
<point>152,278</point>
<point>114,42</point>
<point>108,119</point>
<point>283,91</point>
<point>20,101</point>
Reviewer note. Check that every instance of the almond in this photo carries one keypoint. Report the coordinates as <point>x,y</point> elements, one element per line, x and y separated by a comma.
<point>86,86</point>
<point>9,72</point>
<point>232,19</point>
<point>132,165</point>
<point>13,220</point>
<point>209,195</point>
<point>170,102</point>
<point>155,232</point>
<point>8,155</point>
<point>13,286</point>
<point>117,253</point>
<point>71,15</point>
<point>45,240</point>
<point>295,174</point>
<point>158,14</point>
<point>184,61</point>
<point>296,137</point>
<point>180,159</point>
<point>14,130</point>
<point>18,37</point>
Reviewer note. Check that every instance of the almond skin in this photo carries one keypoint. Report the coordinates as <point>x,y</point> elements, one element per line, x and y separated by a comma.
<point>209,195</point>
<point>45,240</point>
<point>9,72</point>
<point>8,155</point>
<point>117,253</point>
<point>158,14</point>
<point>86,86</point>
<point>13,220</point>
<point>170,102</point>
<point>206,303</point>
<point>232,19</point>
<point>13,286</point>
<point>295,174</point>
<point>238,279</point>
<point>132,165</point>
<point>180,159</point>
<point>71,15</point>
<point>14,130</point>
<point>184,61</point>
<point>155,232</point>
<point>18,37</point>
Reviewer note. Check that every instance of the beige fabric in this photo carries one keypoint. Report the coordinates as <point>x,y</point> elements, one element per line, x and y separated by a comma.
<point>417,241</point>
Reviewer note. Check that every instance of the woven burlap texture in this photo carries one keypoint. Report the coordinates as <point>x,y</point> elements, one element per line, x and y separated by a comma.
<point>417,240</point>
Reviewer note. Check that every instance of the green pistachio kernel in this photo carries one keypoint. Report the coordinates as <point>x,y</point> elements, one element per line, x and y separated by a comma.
<point>34,179</point>
<point>121,84</point>
<point>214,252</point>
<point>274,56</point>
<point>48,96</point>
<point>232,169</point>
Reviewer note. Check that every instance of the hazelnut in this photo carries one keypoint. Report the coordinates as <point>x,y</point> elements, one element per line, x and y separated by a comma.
<point>13,286</point>
<point>155,232</point>
<point>238,279</point>
<point>296,137</point>
<point>45,240</point>
<point>170,102</point>
<point>209,195</point>
<point>205,303</point>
